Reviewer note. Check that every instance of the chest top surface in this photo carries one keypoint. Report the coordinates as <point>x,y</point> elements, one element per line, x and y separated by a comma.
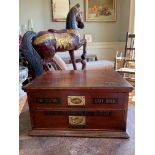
<point>82,79</point>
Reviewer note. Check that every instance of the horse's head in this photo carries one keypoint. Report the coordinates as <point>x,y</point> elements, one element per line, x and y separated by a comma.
<point>78,14</point>
<point>74,18</point>
<point>79,20</point>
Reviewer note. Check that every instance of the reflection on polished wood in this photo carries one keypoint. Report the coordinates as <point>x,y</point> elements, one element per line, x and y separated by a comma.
<point>108,117</point>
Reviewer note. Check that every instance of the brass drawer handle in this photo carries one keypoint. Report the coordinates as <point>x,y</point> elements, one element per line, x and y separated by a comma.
<point>76,100</point>
<point>77,120</point>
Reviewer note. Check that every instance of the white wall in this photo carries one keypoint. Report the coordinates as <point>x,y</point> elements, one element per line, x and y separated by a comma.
<point>103,50</point>
<point>40,12</point>
<point>102,32</point>
<point>132,16</point>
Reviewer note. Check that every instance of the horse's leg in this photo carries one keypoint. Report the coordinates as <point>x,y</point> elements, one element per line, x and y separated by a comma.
<point>48,57</point>
<point>71,53</point>
<point>45,65</point>
<point>83,56</point>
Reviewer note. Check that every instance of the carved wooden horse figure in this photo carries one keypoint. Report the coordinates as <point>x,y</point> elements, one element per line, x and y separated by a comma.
<point>47,43</point>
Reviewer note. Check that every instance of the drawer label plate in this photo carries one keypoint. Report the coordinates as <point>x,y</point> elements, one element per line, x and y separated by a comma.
<point>79,113</point>
<point>54,100</point>
<point>105,100</point>
<point>76,100</point>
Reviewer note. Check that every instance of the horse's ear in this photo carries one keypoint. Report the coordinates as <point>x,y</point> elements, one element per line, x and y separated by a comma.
<point>76,9</point>
<point>77,5</point>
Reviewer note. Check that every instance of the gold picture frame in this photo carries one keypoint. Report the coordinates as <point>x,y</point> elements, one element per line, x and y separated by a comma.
<point>100,10</point>
<point>60,9</point>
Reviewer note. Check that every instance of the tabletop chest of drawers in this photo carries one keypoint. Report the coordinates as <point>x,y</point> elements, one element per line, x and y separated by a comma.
<point>79,103</point>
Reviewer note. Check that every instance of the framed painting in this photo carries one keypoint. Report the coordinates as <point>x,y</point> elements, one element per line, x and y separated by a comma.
<point>60,9</point>
<point>100,10</point>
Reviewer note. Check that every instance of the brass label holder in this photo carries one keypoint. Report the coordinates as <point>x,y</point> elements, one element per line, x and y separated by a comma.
<point>77,120</point>
<point>76,100</point>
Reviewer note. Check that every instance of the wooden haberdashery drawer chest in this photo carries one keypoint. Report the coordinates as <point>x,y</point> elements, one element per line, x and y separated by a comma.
<point>79,103</point>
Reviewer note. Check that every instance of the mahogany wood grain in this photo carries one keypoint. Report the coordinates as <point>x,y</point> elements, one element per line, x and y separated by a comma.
<point>63,94</point>
<point>81,133</point>
<point>114,121</point>
<point>107,80</point>
<point>52,116</point>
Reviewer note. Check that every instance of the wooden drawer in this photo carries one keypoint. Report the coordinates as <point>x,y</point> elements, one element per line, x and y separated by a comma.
<point>85,99</point>
<point>77,103</point>
<point>79,119</point>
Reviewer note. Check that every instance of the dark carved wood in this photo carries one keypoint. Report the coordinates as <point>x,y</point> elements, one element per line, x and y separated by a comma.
<point>34,61</point>
<point>46,42</point>
<point>52,119</point>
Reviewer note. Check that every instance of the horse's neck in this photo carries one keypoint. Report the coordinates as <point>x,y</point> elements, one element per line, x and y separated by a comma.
<point>73,31</point>
<point>71,21</point>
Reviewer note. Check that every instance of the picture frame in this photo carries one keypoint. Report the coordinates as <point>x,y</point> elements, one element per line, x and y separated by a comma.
<point>60,9</point>
<point>100,10</point>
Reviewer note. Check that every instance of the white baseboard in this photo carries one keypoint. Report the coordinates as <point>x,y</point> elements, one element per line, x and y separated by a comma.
<point>103,50</point>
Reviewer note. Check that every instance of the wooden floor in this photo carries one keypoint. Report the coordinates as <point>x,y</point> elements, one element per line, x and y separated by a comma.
<point>76,146</point>
<point>22,102</point>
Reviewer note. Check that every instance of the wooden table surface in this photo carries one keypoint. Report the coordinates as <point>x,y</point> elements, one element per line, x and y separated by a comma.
<point>87,79</point>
